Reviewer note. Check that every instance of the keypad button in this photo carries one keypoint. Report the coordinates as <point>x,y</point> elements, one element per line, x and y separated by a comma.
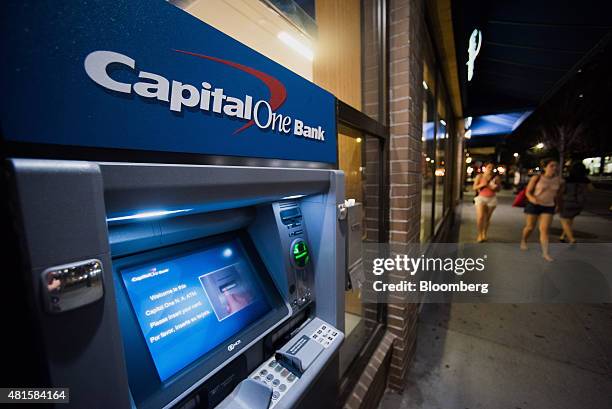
<point>257,378</point>
<point>272,363</point>
<point>291,378</point>
<point>282,387</point>
<point>275,395</point>
<point>263,372</point>
<point>278,368</point>
<point>270,377</point>
<point>284,373</point>
<point>276,382</point>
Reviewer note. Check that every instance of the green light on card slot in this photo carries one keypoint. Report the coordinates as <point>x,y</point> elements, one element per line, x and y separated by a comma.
<point>300,253</point>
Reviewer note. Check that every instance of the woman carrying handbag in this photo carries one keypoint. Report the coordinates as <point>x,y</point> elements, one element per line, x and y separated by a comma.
<point>542,198</point>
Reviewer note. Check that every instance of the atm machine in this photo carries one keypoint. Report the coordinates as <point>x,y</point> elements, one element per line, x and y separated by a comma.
<point>157,272</point>
<point>234,286</point>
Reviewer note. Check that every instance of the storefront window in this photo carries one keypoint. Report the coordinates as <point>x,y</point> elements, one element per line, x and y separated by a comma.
<point>373,66</point>
<point>427,166</point>
<point>440,169</point>
<point>359,159</point>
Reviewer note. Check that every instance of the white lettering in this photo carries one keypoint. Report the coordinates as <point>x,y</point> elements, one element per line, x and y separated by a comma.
<point>177,98</point>
<point>256,114</point>
<point>96,65</point>
<point>206,98</point>
<point>158,89</point>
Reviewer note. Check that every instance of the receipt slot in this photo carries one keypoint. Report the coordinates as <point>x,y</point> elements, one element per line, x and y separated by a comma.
<point>239,293</point>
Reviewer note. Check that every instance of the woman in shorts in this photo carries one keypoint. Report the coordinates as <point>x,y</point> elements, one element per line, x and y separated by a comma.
<point>542,196</point>
<point>486,185</point>
<point>573,197</point>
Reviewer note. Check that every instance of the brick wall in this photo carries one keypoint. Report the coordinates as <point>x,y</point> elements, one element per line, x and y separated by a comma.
<point>373,381</point>
<point>406,35</point>
<point>406,24</point>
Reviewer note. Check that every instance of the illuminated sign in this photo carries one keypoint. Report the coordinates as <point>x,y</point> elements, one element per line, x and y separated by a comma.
<point>147,76</point>
<point>473,49</point>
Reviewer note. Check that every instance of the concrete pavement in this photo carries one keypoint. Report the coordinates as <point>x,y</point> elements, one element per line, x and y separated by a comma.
<point>512,355</point>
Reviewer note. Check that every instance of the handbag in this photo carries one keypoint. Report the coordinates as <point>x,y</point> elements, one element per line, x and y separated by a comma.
<point>520,200</point>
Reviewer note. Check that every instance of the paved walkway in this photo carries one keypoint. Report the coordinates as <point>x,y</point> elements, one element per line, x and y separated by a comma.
<point>513,356</point>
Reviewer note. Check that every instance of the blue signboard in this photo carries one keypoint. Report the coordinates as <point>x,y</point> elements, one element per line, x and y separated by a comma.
<point>146,75</point>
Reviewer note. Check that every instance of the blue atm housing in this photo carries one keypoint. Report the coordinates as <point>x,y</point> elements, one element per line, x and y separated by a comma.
<point>239,210</point>
<point>125,212</point>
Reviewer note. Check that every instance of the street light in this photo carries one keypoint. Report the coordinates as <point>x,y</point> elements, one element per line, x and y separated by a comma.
<point>540,146</point>
<point>516,155</point>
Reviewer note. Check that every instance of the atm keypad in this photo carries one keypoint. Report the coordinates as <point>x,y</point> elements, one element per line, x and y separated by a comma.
<point>325,335</point>
<point>273,374</point>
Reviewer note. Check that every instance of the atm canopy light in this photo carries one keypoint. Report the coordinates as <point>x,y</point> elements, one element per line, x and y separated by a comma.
<point>147,215</point>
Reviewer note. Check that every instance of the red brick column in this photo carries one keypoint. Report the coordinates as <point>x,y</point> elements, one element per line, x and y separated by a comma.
<point>407,22</point>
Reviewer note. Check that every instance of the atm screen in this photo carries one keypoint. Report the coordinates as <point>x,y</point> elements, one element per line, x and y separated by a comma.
<point>191,303</point>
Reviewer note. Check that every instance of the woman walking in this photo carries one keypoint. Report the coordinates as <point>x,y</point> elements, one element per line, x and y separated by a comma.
<point>542,196</point>
<point>486,185</point>
<point>573,195</point>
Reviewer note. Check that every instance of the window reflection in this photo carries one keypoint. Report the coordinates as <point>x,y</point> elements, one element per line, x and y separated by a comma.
<point>440,169</point>
<point>427,166</point>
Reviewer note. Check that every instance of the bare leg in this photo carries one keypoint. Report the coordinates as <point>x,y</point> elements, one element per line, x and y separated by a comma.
<point>545,221</point>
<point>488,222</point>
<point>567,229</point>
<point>530,221</point>
<point>481,216</point>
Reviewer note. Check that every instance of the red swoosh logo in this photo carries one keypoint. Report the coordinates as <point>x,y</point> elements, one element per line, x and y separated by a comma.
<point>278,93</point>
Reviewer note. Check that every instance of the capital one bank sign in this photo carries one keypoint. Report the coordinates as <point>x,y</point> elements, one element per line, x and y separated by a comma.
<point>179,95</point>
<point>120,81</point>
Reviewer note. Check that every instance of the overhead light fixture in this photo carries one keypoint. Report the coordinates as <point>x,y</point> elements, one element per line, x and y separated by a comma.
<point>425,85</point>
<point>443,122</point>
<point>539,146</point>
<point>292,197</point>
<point>468,122</point>
<point>296,45</point>
<point>358,140</point>
<point>468,134</point>
<point>147,215</point>
<point>516,155</point>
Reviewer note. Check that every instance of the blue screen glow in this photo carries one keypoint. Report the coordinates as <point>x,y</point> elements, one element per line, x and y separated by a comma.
<point>188,305</point>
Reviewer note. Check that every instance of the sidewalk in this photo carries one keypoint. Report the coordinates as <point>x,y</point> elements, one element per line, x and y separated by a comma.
<point>507,224</point>
<point>523,356</point>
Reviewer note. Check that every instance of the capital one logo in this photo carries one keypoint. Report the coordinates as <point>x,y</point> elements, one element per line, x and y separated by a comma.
<point>233,346</point>
<point>205,97</point>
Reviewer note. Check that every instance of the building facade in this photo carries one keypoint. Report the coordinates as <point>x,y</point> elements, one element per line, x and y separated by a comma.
<point>392,66</point>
